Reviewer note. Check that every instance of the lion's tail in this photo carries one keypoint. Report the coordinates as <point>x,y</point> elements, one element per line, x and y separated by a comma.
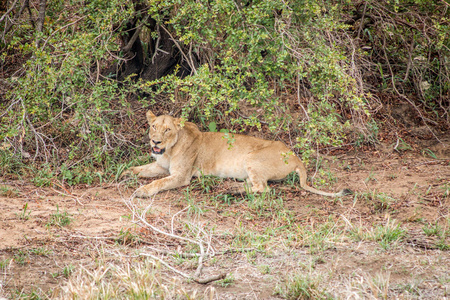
<point>301,171</point>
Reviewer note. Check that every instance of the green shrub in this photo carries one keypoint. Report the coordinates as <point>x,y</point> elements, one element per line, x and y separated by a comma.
<point>277,66</point>
<point>62,102</point>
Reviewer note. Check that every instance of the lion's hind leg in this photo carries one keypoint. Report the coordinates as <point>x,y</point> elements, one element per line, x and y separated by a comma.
<point>256,172</point>
<point>258,183</point>
<point>273,162</point>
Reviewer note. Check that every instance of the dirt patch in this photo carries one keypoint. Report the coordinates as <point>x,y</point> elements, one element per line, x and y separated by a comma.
<point>50,236</point>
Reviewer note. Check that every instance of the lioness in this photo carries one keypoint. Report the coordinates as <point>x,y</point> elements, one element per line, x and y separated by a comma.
<point>183,151</point>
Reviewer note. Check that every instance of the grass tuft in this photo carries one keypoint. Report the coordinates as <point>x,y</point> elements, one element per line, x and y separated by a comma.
<point>301,287</point>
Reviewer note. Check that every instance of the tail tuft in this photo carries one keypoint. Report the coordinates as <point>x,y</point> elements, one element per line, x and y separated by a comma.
<point>346,192</point>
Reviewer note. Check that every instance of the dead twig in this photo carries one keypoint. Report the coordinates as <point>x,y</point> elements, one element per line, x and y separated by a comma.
<point>62,28</point>
<point>9,10</point>
<point>191,64</point>
<point>196,279</point>
<point>199,241</point>
<point>67,193</point>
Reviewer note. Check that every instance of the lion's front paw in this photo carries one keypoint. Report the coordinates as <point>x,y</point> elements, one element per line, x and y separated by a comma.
<point>125,174</point>
<point>146,191</point>
<point>128,173</point>
<point>142,192</point>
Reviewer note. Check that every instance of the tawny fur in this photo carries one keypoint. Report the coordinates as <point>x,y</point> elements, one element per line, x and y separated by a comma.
<point>183,151</point>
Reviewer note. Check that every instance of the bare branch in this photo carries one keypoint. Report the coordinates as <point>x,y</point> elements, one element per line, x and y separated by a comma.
<point>61,28</point>
<point>16,17</point>
<point>9,10</point>
<point>128,46</point>
<point>199,241</point>
<point>191,65</point>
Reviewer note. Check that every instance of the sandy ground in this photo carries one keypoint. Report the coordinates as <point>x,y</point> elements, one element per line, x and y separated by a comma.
<point>260,247</point>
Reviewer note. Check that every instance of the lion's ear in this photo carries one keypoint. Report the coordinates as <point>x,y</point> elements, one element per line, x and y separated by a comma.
<point>178,122</point>
<point>150,117</point>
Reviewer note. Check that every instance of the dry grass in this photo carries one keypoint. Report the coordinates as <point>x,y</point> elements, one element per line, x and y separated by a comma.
<point>141,279</point>
<point>286,244</point>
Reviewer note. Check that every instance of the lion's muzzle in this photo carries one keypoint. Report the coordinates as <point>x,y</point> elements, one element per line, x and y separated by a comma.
<point>158,151</point>
<point>155,149</point>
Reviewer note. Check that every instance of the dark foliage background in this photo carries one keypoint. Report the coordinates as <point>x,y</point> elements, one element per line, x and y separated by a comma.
<point>76,77</point>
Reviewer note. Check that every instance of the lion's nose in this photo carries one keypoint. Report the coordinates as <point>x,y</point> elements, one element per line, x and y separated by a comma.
<point>156,142</point>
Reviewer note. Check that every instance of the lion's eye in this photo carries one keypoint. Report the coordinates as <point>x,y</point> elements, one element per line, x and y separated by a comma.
<point>167,130</point>
<point>153,127</point>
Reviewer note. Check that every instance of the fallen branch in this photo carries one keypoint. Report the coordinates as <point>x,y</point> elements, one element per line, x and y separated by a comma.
<point>194,278</point>
<point>191,255</point>
<point>66,192</point>
<point>198,241</point>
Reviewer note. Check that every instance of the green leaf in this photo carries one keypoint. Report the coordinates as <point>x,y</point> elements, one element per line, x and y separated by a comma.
<point>212,127</point>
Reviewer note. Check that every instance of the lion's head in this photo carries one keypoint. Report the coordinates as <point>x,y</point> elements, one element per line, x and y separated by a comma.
<point>163,132</point>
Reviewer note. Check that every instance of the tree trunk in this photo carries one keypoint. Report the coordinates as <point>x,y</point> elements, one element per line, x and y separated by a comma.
<point>161,58</point>
<point>40,20</point>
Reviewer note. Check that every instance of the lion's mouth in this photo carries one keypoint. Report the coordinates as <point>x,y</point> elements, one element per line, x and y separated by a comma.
<point>158,151</point>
